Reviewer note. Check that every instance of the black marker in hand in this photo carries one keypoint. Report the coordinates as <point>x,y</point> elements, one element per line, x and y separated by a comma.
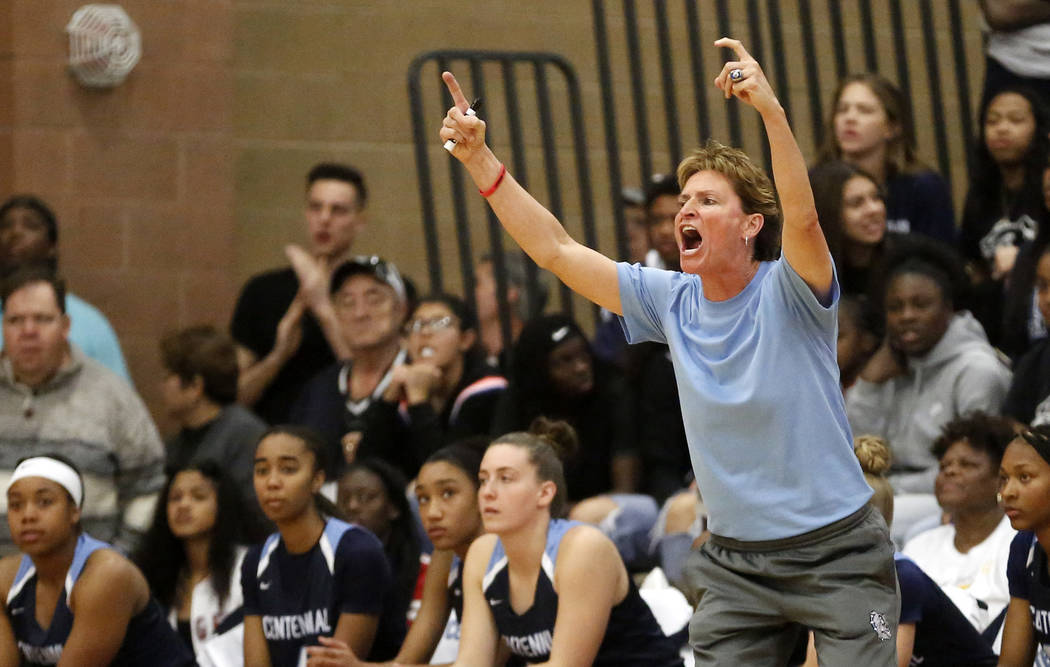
<point>472,110</point>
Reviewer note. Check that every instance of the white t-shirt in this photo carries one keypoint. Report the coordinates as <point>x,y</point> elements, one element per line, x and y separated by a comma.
<point>966,578</point>
<point>1025,52</point>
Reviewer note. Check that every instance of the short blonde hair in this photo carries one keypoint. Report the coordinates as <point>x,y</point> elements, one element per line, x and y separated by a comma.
<point>875,458</point>
<point>750,182</point>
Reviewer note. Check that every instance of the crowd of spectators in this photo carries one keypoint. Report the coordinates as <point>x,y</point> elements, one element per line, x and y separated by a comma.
<point>336,367</point>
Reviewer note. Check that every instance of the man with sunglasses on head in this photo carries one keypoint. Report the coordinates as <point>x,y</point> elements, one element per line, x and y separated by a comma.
<point>344,401</point>
<point>284,324</point>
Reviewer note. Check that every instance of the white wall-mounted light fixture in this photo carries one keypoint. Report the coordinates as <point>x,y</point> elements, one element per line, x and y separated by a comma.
<point>104,45</point>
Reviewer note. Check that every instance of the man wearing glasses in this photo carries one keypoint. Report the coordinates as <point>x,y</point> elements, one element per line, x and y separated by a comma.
<point>344,402</point>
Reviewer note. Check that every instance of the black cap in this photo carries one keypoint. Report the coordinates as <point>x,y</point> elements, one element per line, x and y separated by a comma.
<point>370,265</point>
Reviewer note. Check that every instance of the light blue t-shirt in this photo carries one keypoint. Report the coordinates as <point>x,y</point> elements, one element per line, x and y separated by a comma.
<point>759,387</point>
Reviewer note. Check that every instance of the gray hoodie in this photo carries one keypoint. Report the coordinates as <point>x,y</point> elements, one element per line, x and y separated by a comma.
<point>960,374</point>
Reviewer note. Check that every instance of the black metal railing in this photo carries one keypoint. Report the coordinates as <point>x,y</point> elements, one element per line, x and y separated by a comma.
<point>525,130</point>
<point>932,78</point>
<point>657,101</point>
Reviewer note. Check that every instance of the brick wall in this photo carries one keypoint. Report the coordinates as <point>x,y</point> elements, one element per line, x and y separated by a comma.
<point>141,176</point>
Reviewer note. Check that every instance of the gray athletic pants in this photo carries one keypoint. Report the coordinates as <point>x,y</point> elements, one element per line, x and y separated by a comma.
<point>757,597</point>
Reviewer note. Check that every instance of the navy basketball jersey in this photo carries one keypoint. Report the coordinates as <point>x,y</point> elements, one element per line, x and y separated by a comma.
<point>632,637</point>
<point>943,636</point>
<point>299,597</point>
<point>455,587</point>
<point>149,639</point>
<point>1026,572</point>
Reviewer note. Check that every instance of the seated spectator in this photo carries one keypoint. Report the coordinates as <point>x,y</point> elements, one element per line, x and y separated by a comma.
<point>661,206</point>
<point>344,402</point>
<point>870,127</point>
<point>852,213</point>
<point>53,398</point>
<point>200,394</point>
<point>634,222</point>
<point>284,325</point>
<point>861,329</point>
<point>680,529</point>
<point>662,446</point>
<point>555,375</point>
<point>94,603</point>
<point>1026,401</point>
<point>29,235</point>
<point>931,631</point>
<point>523,303</point>
<point>448,392</point>
<point>1023,322</point>
<point>317,575</point>
<point>967,557</point>
<point>192,556</point>
<point>371,493</point>
<point>1004,204</point>
<point>934,365</point>
<point>1026,498</point>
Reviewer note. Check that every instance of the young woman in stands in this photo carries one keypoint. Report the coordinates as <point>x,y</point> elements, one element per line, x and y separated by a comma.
<point>870,127</point>
<point>192,556</point>
<point>371,493</point>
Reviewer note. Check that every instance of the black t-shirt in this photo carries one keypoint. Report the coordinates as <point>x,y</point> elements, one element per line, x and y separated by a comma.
<point>260,307</point>
<point>1031,383</point>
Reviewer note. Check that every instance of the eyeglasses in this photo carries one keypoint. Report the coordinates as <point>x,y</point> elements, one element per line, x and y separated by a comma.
<point>429,325</point>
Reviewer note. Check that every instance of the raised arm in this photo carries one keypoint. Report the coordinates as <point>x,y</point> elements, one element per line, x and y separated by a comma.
<point>803,245</point>
<point>532,226</point>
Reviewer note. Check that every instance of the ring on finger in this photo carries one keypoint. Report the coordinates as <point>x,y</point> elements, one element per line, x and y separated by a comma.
<point>736,74</point>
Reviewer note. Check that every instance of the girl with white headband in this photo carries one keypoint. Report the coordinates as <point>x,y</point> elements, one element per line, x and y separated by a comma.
<point>70,598</point>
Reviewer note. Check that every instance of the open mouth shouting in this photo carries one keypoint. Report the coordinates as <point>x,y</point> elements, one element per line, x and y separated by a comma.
<point>690,239</point>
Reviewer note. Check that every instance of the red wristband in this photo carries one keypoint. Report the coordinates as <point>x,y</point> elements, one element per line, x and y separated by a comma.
<point>499,179</point>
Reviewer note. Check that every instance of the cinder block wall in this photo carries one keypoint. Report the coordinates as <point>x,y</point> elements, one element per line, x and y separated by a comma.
<point>140,176</point>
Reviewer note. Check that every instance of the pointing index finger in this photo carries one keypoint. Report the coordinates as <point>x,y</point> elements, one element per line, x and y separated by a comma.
<point>738,48</point>
<point>457,94</point>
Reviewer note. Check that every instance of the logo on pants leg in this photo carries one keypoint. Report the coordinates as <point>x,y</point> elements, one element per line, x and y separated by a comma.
<point>879,625</point>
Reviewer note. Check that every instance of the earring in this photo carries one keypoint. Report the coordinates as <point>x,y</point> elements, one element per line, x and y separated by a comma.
<point>746,239</point>
<point>999,498</point>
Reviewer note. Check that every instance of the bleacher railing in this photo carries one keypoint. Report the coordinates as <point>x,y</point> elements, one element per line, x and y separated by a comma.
<point>655,100</point>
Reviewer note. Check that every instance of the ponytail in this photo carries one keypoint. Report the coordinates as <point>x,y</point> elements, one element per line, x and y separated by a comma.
<point>547,443</point>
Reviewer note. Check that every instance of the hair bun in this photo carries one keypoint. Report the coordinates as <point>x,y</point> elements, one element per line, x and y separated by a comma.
<point>873,453</point>
<point>559,434</point>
